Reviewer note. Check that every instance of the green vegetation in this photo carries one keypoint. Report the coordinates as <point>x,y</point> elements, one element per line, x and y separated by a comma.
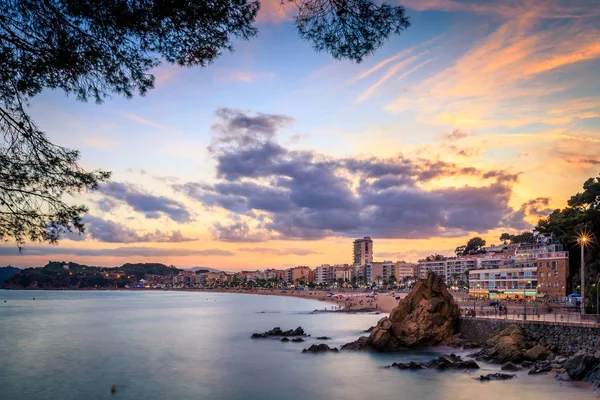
<point>62,275</point>
<point>8,272</point>
<point>581,217</point>
<point>94,49</point>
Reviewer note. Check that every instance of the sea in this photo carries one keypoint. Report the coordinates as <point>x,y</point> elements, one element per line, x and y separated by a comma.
<point>73,345</point>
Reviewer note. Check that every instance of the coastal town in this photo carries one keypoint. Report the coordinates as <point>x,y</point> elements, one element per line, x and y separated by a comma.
<point>538,268</point>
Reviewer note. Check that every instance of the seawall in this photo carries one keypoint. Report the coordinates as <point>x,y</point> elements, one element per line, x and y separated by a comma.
<point>562,339</point>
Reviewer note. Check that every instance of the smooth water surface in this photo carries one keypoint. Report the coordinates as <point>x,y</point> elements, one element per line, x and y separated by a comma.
<point>196,345</point>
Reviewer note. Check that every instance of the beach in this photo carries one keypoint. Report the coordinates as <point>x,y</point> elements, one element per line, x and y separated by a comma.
<point>344,301</point>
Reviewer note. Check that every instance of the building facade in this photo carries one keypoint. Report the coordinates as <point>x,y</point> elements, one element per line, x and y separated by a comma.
<point>363,251</point>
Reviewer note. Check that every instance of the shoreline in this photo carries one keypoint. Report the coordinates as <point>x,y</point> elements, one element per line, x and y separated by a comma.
<point>345,301</point>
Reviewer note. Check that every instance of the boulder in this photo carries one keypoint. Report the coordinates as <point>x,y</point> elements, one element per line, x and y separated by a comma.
<point>497,376</point>
<point>526,364</point>
<point>579,365</point>
<point>284,339</point>
<point>451,362</point>
<point>323,338</point>
<point>278,332</point>
<point>297,339</point>
<point>510,367</point>
<point>537,353</point>
<point>358,344</point>
<point>441,363</point>
<point>319,348</point>
<point>410,365</point>
<point>426,316</point>
<point>540,369</point>
<point>508,345</point>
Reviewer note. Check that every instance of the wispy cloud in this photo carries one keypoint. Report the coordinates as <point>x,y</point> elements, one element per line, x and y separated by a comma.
<point>37,250</point>
<point>147,122</point>
<point>390,73</point>
<point>243,76</point>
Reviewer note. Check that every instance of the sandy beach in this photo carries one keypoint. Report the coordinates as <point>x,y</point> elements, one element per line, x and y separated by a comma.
<point>344,301</point>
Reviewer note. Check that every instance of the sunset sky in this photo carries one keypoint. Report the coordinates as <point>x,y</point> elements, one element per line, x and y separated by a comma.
<point>479,119</point>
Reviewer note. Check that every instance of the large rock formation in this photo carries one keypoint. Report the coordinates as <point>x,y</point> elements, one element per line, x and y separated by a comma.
<point>426,316</point>
<point>507,346</point>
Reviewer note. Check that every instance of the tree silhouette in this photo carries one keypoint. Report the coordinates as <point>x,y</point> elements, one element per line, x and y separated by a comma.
<point>94,48</point>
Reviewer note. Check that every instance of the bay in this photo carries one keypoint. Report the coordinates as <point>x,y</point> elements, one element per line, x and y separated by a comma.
<point>196,345</point>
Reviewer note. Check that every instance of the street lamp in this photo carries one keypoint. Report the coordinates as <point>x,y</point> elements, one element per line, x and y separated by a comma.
<point>583,241</point>
<point>525,300</point>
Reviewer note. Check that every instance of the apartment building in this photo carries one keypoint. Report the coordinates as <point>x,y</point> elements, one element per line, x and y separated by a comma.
<point>540,269</point>
<point>362,251</point>
<point>406,270</point>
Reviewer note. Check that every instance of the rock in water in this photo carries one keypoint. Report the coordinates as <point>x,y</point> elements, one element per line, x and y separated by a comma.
<point>498,376</point>
<point>537,353</point>
<point>426,317</point>
<point>358,344</point>
<point>579,365</point>
<point>508,345</point>
<point>319,348</point>
<point>509,367</point>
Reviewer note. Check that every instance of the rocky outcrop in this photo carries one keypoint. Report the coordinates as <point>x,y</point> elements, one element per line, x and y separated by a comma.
<point>441,363</point>
<point>497,376</point>
<point>426,316</point>
<point>278,332</point>
<point>451,362</point>
<point>509,367</point>
<point>507,346</point>
<point>537,353</point>
<point>358,344</point>
<point>319,348</point>
<point>579,365</point>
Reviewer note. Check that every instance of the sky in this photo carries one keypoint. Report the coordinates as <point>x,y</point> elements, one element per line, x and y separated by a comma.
<point>479,119</point>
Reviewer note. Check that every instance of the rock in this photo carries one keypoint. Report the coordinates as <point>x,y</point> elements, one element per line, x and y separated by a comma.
<point>426,316</point>
<point>526,364</point>
<point>508,345</point>
<point>359,344</point>
<point>441,363</point>
<point>540,369</point>
<point>319,348</point>
<point>537,352</point>
<point>471,345</point>
<point>556,366</point>
<point>561,360</point>
<point>510,367</point>
<point>323,338</point>
<point>285,339</point>
<point>369,330</point>
<point>297,339</point>
<point>278,332</point>
<point>579,365</point>
<point>411,365</point>
<point>497,376</point>
<point>451,362</point>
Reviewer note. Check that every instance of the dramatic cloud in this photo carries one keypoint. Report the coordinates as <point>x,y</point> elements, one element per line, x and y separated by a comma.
<point>149,205</point>
<point>113,232</point>
<point>278,252</point>
<point>113,252</point>
<point>238,232</point>
<point>306,195</point>
<point>537,208</point>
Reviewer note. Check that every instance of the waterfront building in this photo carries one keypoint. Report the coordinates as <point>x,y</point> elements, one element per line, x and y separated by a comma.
<point>406,270</point>
<point>362,251</point>
<point>533,270</point>
<point>436,266</point>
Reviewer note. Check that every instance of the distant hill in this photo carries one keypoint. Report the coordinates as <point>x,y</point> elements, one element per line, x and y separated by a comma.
<point>204,268</point>
<point>7,273</point>
<point>63,275</point>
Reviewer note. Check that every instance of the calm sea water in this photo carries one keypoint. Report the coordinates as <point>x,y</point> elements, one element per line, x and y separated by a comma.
<point>182,345</point>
